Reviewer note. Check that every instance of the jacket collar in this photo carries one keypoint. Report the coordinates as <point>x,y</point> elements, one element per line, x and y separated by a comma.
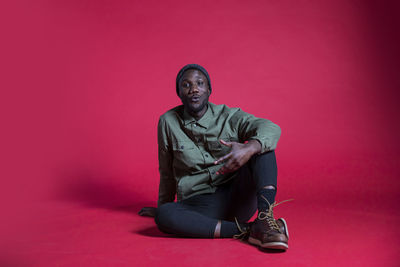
<point>203,121</point>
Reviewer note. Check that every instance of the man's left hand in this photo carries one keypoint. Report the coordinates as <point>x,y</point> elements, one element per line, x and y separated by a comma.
<point>238,156</point>
<point>148,212</point>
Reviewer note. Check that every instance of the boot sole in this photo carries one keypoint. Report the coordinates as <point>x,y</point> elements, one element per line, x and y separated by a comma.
<point>270,245</point>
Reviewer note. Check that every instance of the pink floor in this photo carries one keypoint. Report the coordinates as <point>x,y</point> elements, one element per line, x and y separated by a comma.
<point>318,237</point>
<point>332,226</point>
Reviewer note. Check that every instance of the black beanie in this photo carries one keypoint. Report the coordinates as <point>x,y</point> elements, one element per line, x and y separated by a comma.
<point>193,67</point>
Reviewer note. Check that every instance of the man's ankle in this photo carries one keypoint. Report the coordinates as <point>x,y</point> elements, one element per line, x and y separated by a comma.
<point>265,198</point>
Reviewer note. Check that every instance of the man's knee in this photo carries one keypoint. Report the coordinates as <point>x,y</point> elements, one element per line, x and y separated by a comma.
<point>268,156</point>
<point>164,213</point>
<point>264,170</point>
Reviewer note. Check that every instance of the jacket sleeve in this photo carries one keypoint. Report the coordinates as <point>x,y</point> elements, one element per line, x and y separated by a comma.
<point>252,128</point>
<point>167,187</point>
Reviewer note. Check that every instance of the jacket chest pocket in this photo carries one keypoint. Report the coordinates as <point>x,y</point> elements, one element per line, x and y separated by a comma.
<point>217,149</point>
<point>184,154</point>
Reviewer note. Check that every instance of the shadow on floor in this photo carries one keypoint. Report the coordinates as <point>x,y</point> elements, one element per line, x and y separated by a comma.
<point>152,232</point>
<point>102,191</point>
<point>264,250</point>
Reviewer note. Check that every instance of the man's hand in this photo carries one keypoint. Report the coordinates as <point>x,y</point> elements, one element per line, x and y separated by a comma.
<point>148,212</point>
<point>239,155</point>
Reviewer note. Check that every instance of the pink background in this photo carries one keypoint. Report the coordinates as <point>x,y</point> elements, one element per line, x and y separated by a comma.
<point>83,85</point>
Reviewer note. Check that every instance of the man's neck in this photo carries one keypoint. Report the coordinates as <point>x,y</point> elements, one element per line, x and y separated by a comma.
<point>198,115</point>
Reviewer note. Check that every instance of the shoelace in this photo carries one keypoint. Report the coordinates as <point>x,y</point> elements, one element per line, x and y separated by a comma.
<point>243,232</point>
<point>269,215</point>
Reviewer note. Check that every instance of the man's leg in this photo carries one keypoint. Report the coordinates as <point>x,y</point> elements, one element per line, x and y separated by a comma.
<point>257,176</point>
<point>265,230</point>
<point>198,216</point>
<point>255,188</point>
<point>264,173</point>
<point>213,215</point>
<point>179,219</point>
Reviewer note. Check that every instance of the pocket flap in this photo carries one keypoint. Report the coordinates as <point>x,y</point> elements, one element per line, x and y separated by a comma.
<point>214,145</point>
<point>183,145</point>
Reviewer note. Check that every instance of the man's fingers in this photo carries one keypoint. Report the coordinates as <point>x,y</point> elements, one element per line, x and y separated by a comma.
<point>142,212</point>
<point>225,143</point>
<point>222,170</point>
<point>227,167</point>
<point>147,211</point>
<point>222,159</point>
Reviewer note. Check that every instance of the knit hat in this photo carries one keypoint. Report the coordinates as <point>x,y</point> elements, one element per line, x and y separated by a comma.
<point>193,67</point>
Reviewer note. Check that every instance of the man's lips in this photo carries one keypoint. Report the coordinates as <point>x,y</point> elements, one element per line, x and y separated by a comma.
<point>195,99</point>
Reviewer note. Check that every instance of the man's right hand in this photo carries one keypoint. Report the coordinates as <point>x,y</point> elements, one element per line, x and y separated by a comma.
<point>238,156</point>
<point>148,212</point>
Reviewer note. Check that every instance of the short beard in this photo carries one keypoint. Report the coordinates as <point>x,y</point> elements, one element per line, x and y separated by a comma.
<point>193,110</point>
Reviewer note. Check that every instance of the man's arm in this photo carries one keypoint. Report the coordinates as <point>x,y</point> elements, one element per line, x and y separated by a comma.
<point>264,131</point>
<point>261,135</point>
<point>167,187</point>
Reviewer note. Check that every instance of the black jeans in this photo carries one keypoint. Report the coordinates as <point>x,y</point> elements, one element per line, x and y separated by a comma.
<point>197,216</point>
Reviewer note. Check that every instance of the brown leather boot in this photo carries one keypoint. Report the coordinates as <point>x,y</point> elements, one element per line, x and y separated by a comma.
<point>266,232</point>
<point>283,226</point>
<point>245,231</point>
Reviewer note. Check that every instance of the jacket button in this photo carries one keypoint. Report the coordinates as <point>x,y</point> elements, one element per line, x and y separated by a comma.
<point>182,147</point>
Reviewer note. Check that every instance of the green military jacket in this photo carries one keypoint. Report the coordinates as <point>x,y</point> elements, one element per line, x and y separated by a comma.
<point>188,148</point>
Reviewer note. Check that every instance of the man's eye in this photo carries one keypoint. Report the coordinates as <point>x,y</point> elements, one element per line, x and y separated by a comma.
<point>200,83</point>
<point>185,85</point>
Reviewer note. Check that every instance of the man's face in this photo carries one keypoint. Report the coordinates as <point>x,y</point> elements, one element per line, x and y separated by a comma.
<point>194,91</point>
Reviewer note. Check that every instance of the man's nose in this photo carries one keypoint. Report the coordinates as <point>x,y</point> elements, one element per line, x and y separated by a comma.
<point>194,88</point>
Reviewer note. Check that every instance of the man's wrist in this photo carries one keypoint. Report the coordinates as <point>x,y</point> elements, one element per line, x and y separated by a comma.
<point>254,146</point>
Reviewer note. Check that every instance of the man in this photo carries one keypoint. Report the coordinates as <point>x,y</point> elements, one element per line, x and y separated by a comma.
<point>220,163</point>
